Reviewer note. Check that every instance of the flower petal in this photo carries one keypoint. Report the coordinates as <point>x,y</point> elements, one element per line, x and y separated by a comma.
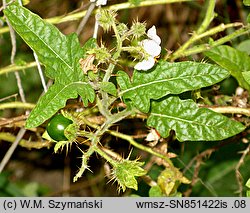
<point>151,47</point>
<point>99,2</point>
<point>152,35</point>
<point>145,64</point>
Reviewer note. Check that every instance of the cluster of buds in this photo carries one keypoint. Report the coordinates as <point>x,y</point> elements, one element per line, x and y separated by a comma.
<point>143,46</point>
<point>152,47</point>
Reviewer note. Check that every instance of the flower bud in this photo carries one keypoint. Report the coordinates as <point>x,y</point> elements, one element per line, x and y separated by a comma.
<point>106,19</point>
<point>122,29</point>
<point>138,29</point>
<point>102,54</point>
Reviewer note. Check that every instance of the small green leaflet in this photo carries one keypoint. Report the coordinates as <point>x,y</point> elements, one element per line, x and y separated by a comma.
<point>190,122</point>
<point>108,87</point>
<point>167,78</point>
<point>246,76</point>
<point>244,46</point>
<point>233,60</point>
<point>246,2</point>
<point>60,54</point>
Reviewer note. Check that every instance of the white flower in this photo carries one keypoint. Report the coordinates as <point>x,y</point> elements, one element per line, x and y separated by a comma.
<point>145,64</point>
<point>152,35</point>
<point>152,47</point>
<point>99,2</point>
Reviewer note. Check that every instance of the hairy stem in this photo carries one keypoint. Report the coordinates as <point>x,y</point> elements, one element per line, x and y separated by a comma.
<point>204,47</point>
<point>140,146</point>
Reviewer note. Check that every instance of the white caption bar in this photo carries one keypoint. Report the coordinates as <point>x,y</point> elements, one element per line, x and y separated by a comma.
<point>129,204</point>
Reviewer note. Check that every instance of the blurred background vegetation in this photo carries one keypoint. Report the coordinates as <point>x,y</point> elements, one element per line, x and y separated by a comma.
<point>212,166</point>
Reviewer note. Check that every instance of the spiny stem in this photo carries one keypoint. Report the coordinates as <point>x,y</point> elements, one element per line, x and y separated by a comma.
<point>95,138</point>
<point>128,138</point>
<point>140,146</point>
<point>105,156</point>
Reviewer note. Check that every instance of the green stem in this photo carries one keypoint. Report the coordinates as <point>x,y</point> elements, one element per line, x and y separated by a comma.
<point>127,137</point>
<point>205,47</point>
<point>116,55</point>
<point>104,103</point>
<point>25,143</point>
<point>229,110</point>
<point>119,43</point>
<point>207,20</point>
<point>217,29</point>
<point>95,138</point>
<point>140,146</point>
<point>14,67</point>
<point>105,156</point>
<point>16,105</point>
<point>208,17</point>
<point>85,159</point>
<point>108,72</point>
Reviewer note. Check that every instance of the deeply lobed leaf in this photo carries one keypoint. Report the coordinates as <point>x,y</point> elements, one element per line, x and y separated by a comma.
<point>52,47</point>
<point>190,122</point>
<point>56,98</point>
<point>167,78</point>
<point>60,54</point>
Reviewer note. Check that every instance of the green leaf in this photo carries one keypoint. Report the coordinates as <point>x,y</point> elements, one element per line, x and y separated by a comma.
<point>246,2</point>
<point>60,54</point>
<point>244,46</point>
<point>167,78</point>
<point>109,87</point>
<point>190,122</point>
<point>233,60</point>
<point>246,76</point>
<point>55,99</point>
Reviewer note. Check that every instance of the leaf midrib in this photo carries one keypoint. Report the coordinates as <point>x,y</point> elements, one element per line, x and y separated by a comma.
<point>180,119</point>
<point>65,87</point>
<point>56,54</point>
<point>58,93</point>
<point>155,82</point>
